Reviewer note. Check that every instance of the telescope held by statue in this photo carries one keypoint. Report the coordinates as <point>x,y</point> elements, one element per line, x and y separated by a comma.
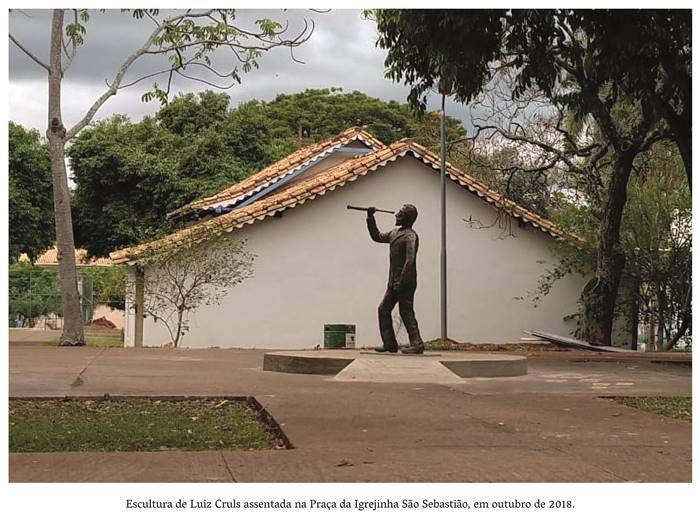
<point>352,207</point>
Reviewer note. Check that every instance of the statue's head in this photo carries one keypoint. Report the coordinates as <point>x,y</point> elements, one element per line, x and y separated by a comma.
<point>406,215</point>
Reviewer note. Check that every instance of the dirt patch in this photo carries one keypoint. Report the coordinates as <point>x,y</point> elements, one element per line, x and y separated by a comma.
<point>523,348</point>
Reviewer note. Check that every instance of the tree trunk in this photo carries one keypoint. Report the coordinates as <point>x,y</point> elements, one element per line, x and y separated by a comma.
<point>685,148</point>
<point>661,300</point>
<point>178,334</point>
<point>599,295</point>
<point>685,320</point>
<point>70,298</point>
<point>633,316</point>
<point>651,343</point>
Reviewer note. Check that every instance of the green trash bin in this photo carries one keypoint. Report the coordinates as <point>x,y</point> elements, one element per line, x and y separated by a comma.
<point>338,336</point>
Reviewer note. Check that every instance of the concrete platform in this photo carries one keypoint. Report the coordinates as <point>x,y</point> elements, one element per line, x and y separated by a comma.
<point>365,366</point>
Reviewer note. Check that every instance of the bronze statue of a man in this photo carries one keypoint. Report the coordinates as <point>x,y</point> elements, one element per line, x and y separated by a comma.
<point>403,247</point>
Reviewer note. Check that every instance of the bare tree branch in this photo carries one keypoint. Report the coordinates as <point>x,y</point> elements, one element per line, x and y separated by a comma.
<point>142,78</point>
<point>29,53</point>
<point>114,85</point>
<point>207,82</point>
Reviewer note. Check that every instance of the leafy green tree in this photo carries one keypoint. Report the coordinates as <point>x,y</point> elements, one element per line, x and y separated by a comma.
<point>29,192</point>
<point>33,293</point>
<point>656,240</point>
<point>188,40</point>
<point>572,57</point>
<point>657,237</point>
<point>316,114</point>
<point>190,113</point>
<point>109,160</point>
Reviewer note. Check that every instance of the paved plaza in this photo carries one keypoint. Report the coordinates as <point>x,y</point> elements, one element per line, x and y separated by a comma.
<point>555,424</point>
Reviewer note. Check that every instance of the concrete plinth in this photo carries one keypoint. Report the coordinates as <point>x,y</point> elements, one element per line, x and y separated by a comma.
<point>325,362</point>
<point>487,365</point>
<point>431,367</point>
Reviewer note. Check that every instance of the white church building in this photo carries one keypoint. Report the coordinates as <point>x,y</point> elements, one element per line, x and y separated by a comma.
<point>315,263</point>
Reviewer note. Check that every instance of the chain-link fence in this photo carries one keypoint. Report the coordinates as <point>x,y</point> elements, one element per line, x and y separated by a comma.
<point>35,298</point>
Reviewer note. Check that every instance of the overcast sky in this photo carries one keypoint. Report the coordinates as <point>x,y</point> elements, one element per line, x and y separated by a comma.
<point>341,52</point>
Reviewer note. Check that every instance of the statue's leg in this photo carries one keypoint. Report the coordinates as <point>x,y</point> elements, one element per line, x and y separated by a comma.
<point>386,325</point>
<point>408,316</point>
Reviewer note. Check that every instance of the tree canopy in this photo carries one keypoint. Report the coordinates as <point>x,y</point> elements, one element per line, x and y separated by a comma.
<point>643,53</point>
<point>129,175</point>
<point>316,114</point>
<point>30,194</point>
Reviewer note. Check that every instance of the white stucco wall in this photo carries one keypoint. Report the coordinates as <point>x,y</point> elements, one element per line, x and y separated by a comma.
<point>317,265</point>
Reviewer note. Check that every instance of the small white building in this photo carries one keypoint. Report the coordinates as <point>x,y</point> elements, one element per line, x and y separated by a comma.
<point>316,264</point>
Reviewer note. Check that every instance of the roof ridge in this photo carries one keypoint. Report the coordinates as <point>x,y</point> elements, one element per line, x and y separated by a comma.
<point>279,168</point>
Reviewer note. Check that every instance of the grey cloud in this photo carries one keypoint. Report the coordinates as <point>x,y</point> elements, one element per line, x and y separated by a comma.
<point>340,53</point>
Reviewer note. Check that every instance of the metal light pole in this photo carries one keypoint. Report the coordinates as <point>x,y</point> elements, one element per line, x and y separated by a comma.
<point>443,227</point>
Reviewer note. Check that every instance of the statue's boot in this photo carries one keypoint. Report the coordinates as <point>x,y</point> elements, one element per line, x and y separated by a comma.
<point>386,349</point>
<point>414,349</point>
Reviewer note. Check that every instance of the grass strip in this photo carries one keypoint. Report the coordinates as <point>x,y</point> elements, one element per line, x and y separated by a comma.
<point>675,407</point>
<point>58,425</point>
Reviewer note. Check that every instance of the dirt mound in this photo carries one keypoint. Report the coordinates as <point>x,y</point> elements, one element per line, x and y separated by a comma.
<point>102,322</point>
